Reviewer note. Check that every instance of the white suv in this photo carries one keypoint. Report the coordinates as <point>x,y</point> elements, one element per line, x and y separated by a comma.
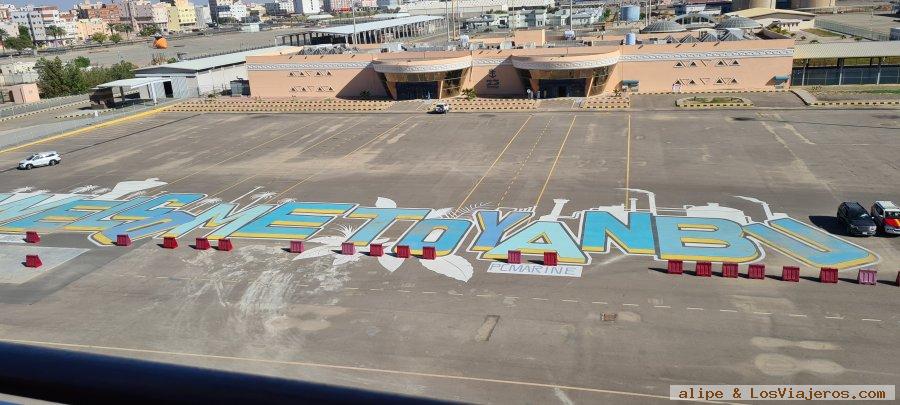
<point>40,159</point>
<point>887,216</point>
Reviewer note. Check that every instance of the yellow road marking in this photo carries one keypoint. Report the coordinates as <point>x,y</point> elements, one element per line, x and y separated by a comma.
<point>628,163</point>
<point>88,129</point>
<point>343,157</point>
<point>511,140</point>
<point>340,367</point>
<point>251,149</point>
<point>555,161</point>
<point>524,162</point>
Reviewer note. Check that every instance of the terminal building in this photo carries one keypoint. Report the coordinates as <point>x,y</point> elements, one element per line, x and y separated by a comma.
<point>676,61</point>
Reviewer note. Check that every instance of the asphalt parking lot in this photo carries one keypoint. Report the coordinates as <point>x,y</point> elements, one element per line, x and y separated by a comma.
<point>622,332</point>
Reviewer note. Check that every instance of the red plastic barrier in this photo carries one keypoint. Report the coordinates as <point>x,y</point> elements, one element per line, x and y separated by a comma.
<point>224,245</point>
<point>123,240</point>
<point>675,267</point>
<point>296,246</point>
<point>376,249</point>
<point>201,244</point>
<point>514,257</point>
<point>756,271</point>
<point>33,261</point>
<point>898,279</point>
<point>429,253</point>
<point>790,273</point>
<point>348,248</point>
<point>550,259</point>
<point>867,277</point>
<point>169,242</point>
<point>828,275</point>
<point>703,269</point>
<point>729,270</point>
<point>32,237</point>
<point>403,252</point>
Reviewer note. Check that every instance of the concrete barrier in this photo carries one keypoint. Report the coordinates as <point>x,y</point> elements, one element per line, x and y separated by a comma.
<point>550,258</point>
<point>675,267</point>
<point>224,245</point>
<point>123,240</point>
<point>33,261</point>
<point>201,244</point>
<point>376,250</point>
<point>514,257</point>
<point>32,237</point>
<point>169,242</point>
<point>703,269</point>
<point>790,273</point>
<point>756,271</point>
<point>867,277</point>
<point>296,246</point>
<point>828,275</point>
<point>729,270</point>
<point>429,253</point>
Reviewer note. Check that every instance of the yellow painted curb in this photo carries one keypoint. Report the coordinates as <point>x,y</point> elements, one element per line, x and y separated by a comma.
<point>87,129</point>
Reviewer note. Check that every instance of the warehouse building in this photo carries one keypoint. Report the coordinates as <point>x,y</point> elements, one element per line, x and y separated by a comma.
<point>198,77</point>
<point>373,32</point>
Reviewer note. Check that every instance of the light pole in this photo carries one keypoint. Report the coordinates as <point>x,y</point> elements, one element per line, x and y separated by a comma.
<point>353,15</point>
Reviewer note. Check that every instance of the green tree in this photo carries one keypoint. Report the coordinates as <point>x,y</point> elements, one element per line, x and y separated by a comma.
<point>149,30</point>
<point>115,38</point>
<point>20,42</point>
<point>56,78</point>
<point>55,32</point>
<point>99,37</point>
<point>126,28</point>
<point>3,34</point>
<point>81,62</point>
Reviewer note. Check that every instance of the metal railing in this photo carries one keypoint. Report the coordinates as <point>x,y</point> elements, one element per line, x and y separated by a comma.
<point>851,30</point>
<point>16,109</point>
<point>79,377</point>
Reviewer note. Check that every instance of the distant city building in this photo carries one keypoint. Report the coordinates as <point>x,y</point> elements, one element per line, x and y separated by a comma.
<point>182,16</point>
<point>203,16</point>
<point>280,8</point>
<point>111,13</point>
<point>86,27</point>
<point>307,7</point>
<point>339,6</point>
<point>37,19</point>
<point>237,11</point>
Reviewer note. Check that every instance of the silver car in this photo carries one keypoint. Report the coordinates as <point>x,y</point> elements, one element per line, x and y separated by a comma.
<point>50,158</point>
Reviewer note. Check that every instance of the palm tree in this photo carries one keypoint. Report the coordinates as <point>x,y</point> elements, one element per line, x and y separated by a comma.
<point>55,32</point>
<point>126,28</point>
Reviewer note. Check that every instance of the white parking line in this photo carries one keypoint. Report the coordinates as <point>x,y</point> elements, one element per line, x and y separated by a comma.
<point>599,302</point>
<point>540,299</point>
<point>797,315</point>
<point>630,305</point>
<point>871,320</point>
<point>834,317</point>
<point>694,309</point>
<point>727,310</point>
<point>569,300</point>
<point>762,313</point>
<point>661,306</point>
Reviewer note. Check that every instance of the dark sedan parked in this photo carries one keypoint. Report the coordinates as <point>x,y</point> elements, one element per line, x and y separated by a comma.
<point>855,219</point>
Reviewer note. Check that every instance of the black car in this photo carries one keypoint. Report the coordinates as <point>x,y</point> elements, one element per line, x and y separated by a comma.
<point>855,219</point>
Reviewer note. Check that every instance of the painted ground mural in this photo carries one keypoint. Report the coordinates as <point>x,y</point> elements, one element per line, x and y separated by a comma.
<point>712,232</point>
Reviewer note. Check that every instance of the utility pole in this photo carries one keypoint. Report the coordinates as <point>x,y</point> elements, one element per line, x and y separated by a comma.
<point>571,17</point>
<point>447,18</point>
<point>353,15</point>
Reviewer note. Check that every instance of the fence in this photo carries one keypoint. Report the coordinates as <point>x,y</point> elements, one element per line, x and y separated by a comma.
<point>16,109</point>
<point>851,30</point>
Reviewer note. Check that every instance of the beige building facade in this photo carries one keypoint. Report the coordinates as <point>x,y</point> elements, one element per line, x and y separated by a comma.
<point>547,72</point>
